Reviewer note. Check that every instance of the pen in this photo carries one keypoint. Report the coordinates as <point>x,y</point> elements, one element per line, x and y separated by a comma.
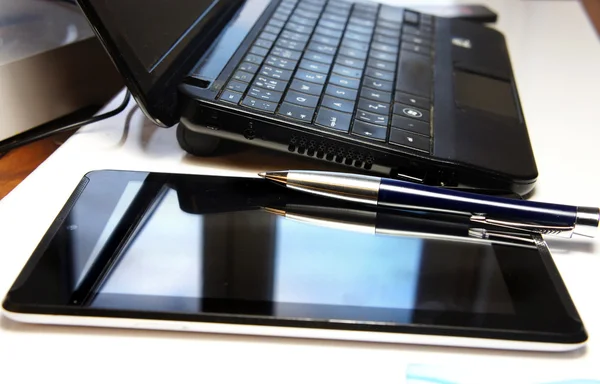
<point>521,215</point>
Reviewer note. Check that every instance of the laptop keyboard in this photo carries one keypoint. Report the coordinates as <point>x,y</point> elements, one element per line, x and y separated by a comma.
<point>363,69</point>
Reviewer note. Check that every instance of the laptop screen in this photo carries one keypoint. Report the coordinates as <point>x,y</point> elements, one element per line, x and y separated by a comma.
<point>156,43</point>
<point>151,28</point>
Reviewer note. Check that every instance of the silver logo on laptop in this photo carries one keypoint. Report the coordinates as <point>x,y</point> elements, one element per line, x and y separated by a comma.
<point>460,42</point>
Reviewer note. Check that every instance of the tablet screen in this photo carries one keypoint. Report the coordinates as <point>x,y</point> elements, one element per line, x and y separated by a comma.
<point>245,250</point>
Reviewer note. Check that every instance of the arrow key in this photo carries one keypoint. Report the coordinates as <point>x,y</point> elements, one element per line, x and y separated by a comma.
<point>296,112</point>
<point>372,118</point>
<point>369,131</point>
<point>335,120</point>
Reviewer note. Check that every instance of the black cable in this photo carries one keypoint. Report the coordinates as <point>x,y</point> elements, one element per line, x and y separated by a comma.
<point>26,138</point>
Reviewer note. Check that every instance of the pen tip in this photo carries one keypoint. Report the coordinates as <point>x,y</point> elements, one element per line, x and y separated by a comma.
<point>277,176</point>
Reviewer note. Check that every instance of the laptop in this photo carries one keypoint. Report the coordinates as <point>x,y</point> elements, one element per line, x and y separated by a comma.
<point>376,88</point>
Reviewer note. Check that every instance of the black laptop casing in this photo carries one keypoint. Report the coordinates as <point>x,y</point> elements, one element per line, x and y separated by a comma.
<point>480,135</point>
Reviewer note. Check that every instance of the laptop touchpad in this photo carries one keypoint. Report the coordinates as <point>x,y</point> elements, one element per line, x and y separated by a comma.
<point>474,91</point>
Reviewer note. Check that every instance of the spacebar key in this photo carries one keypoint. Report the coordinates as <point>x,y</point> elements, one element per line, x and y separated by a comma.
<point>414,74</point>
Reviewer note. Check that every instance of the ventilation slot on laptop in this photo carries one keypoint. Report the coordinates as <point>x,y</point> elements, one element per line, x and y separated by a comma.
<point>331,152</point>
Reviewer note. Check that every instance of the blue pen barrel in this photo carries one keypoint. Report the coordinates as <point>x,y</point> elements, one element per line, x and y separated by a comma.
<point>401,194</point>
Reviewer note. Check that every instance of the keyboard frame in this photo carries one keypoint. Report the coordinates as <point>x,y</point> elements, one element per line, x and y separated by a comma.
<point>203,114</point>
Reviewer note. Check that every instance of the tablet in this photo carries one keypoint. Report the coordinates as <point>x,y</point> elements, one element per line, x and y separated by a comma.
<point>245,256</point>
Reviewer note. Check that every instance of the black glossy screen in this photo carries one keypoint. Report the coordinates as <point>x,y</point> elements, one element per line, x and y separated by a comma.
<point>208,246</point>
<point>151,27</point>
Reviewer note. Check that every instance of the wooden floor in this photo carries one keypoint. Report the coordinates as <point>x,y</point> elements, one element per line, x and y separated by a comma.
<point>19,163</point>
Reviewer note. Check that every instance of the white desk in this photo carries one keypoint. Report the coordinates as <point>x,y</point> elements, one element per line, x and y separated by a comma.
<point>556,57</point>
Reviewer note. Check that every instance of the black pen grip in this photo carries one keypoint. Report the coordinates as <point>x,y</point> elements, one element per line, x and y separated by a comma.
<point>406,195</point>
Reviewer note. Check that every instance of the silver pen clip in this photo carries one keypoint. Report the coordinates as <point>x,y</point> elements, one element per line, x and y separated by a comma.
<point>485,234</point>
<point>561,231</point>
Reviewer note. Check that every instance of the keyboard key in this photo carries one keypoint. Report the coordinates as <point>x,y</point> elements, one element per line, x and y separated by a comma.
<point>333,17</point>
<point>276,73</point>
<point>380,85</point>
<point>374,107</point>
<point>280,62</point>
<point>372,118</point>
<point>272,29</point>
<point>307,6</point>
<point>388,24</point>
<point>301,99</point>
<point>359,29</point>
<point>383,65</point>
<point>295,36</point>
<point>317,78</point>
<point>346,82</point>
<point>341,93</point>
<point>331,119</point>
<point>296,112</point>
<point>391,13</point>
<point>331,24</point>
<point>329,32</point>
<point>353,44</point>
<point>307,14</point>
<point>253,59</point>
<point>263,43</point>
<point>412,112</point>
<point>372,94</point>
<point>379,74</point>
<point>267,36</point>
<point>350,62</point>
<point>259,104</point>
<point>409,139</point>
<point>389,48</point>
<point>264,94</point>
<point>319,57</point>
<point>411,17</point>
<point>415,101</point>
<point>231,97</point>
<point>243,76</point>
<point>363,22</point>
<point>314,66</point>
<point>357,36</point>
<point>362,8</point>
<point>385,39</point>
<point>409,47</point>
<point>248,67</point>
<point>276,23</point>
<point>370,131</point>
<point>333,41</point>
<point>298,28</point>
<point>353,53</point>
<point>416,40</point>
<point>286,53</point>
<point>269,83</point>
<point>414,74</point>
<point>237,86</point>
<point>426,19</point>
<point>303,21</point>
<point>342,105</point>
<point>347,71</point>
<point>410,30</point>
<point>378,55</point>
<point>306,87</point>
<point>410,125</point>
<point>290,44</point>
<point>321,48</point>
<point>338,8</point>
<point>391,33</point>
<point>280,15</point>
